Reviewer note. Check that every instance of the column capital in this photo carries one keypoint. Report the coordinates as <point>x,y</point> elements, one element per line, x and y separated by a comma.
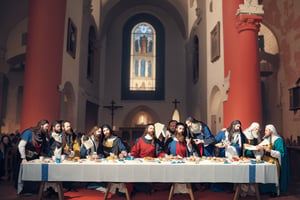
<point>248,22</point>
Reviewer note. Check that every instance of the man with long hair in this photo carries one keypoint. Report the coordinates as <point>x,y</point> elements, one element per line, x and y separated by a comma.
<point>111,143</point>
<point>230,141</point>
<point>91,142</point>
<point>201,136</point>
<point>33,143</point>
<point>170,133</point>
<point>147,145</point>
<point>180,146</point>
<point>56,139</point>
<point>71,146</point>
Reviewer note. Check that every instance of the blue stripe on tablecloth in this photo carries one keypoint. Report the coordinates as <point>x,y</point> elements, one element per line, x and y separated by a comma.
<point>44,171</point>
<point>252,173</point>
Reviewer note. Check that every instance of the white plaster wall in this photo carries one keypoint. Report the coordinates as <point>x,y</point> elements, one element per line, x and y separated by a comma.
<point>215,70</point>
<point>196,92</point>
<point>70,66</point>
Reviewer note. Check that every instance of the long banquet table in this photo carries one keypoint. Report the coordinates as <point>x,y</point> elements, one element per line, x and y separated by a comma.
<point>139,170</point>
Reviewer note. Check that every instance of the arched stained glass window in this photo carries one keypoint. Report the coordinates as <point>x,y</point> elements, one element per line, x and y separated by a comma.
<point>143,39</point>
<point>143,58</point>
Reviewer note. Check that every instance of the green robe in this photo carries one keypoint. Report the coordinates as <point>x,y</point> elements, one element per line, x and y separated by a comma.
<point>284,178</point>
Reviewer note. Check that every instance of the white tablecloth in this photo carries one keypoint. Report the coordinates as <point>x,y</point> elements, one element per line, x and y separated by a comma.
<point>139,170</point>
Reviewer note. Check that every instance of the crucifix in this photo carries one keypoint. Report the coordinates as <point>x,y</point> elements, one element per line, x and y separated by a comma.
<point>175,102</point>
<point>112,107</point>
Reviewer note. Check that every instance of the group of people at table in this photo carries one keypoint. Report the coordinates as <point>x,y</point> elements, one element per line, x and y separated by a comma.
<point>192,138</point>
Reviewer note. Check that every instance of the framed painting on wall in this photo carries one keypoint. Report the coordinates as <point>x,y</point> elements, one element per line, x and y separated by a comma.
<point>215,42</point>
<point>71,38</point>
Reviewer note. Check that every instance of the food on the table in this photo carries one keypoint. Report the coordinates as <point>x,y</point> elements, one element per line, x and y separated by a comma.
<point>112,157</point>
<point>75,159</point>
<point>148,158</point>
<point>191,159</point>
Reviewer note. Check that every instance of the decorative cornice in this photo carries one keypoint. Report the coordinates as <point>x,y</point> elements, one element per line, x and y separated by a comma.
<point>250,7</point>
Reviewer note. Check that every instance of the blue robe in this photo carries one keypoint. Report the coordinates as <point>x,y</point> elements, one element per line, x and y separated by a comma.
<point>221,136</point>
<point>36,149</point>
<point>179,149</point>
<point>209,142</point>
<point>116,148</point>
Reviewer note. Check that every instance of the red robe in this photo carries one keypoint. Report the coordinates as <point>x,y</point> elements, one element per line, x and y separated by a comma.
<point>181,149</point>
<point>177,148</point>
<point>143,148</point>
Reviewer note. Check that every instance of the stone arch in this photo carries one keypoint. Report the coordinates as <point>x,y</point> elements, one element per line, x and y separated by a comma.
<point>136,116</point>
<point>216,109</point>
<point>270,41</point>
<point>67,102</point>
<point>270,73</point>
<point>111,12</point>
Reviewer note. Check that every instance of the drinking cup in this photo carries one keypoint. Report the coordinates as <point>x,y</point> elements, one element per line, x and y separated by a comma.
<point>258,158</point>
<point>58,159</point>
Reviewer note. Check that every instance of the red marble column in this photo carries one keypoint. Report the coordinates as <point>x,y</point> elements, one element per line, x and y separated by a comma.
<point>43,68</point>
<point>249,70</point>
<point>244,95</point>
<point>231,45</point>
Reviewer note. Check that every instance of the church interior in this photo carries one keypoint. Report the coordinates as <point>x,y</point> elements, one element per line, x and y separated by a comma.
<point>128,63</point>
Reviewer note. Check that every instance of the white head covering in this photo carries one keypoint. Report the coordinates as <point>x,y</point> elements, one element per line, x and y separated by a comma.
<point>272,128</point>
<point>249,133</point>
<point>160,129</point>
<point>274,137</point>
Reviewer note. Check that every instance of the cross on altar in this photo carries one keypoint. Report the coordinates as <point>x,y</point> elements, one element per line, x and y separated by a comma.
<point>175,102</point>
<point>112,107</point>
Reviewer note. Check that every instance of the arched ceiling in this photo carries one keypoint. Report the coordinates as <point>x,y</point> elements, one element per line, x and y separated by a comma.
<point>11,12</point>
<point>111,12</point>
